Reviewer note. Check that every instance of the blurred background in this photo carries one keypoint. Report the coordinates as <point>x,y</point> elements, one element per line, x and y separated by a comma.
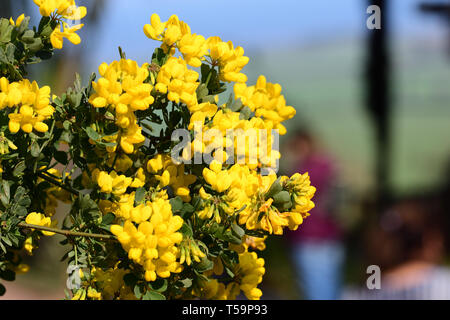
<point>372,129</point>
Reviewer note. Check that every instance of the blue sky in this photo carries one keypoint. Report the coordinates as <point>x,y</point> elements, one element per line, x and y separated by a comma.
<point>255,25</point>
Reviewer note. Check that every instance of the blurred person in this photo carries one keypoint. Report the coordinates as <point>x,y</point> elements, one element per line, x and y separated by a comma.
<point>407,243</point>
<point>316,247</point>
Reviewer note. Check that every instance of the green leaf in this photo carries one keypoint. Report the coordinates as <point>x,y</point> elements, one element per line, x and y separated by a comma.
<point>5,30</point>
<point>2,290</point>
<point>94,135</point>
<point>159,285</point>
<point>153,295</point>
<point>9,50</point>
<point>139,196</point>
<point>245,113</point>
<point>19,168</point>
<point>282,197</point>
<point>35,149</point>
<point>6,189</point>
<point>187,283</point>
<point>21,198</point>
<point>66,124</point>
<point>35,46</point>
<point>3,57</point>
<point>137,291</point>
<point>20,211</point>
<point>204,265</point>
<point>6,240</point>
<point>28,37</point>
<point>186,230</point>
<point>108,218</point>
<point>274,188</point>
<point>4,199</point>
<point>75,98</point>
<point>187,211</point>
<point>238,230</point>
<point>130,279</point>
<point>177,204</point>
<point>236,105</point>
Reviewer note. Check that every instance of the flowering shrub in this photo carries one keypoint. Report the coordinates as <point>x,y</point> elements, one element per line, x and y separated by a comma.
<point>146,222</point>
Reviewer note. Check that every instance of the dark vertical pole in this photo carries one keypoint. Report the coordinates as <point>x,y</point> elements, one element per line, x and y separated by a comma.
<point>378,100</point>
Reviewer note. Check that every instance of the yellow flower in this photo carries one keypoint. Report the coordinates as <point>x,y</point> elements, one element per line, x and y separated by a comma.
<point>190,250</point>
<point>169,32</point>
<point>18,21</point>
<point>194,48</point>
<point>217,178</point>
<point>249,273</point>
<point>29,245</point>
<point>178,81</point>
<point>212,289</point>
<point>123,88</point>
<point>155,29</point>
<point>65,8</point>
<point>168,173</point>
<point>153,243</point>
<point>93,294</point>
<point>39,219</point>
<point>22,268</point>
<point>230,60</point>
<point>111,284</point>
<point>31,105</point>
<point>57,36</point>
<point>59,9</point>
<point>112,182</point>
<point>266,100</point>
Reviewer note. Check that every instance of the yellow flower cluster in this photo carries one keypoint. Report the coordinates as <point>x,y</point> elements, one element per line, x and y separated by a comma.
<point>189,250</point>
<point>31,105</point>
<point>229,59</point>
<point>170,174</point>
<point>264,214</point>
<point>58,9</point>
<point>175,33</point>
<point>239,184</point>
<point>39,219</point>
<point>248,273</point>
<point>245,188</point>
<point>123,88</point>
<point>152,243</point>
<point>252,140</point>
<point>302,192</point>
<point>175,78</point>
<point>110,284</point>
<point>266,100</point>
<point>169,32</point>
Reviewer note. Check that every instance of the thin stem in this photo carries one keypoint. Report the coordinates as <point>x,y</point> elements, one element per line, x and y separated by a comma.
<point>55,182</point>
<point>67,233</point>
<point>208,77</point>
